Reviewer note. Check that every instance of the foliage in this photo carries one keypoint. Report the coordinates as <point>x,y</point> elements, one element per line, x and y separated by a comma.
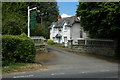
<point>48,14</point>
<point>40,30</point>
<point>101,19</point>
<point>17,49</point>
<point>23,35</point>
<point>50,42</point>
<point>15,16</point>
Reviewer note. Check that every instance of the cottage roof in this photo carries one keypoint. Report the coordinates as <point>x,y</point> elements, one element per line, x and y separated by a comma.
<point>53,23</point>
<point>68,20</point>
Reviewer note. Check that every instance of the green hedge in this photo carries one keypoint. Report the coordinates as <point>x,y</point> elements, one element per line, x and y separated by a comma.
<point>17,49</point>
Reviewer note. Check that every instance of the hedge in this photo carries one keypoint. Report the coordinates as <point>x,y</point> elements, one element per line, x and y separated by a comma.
<point>17,49</point>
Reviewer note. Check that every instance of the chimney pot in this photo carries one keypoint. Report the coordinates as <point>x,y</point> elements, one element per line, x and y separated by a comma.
<point>59,17</point>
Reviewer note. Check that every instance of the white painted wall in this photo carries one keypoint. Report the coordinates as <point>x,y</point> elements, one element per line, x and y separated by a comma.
<point>75,33</point>
<point>70,32</point>
<point>66,34</point>
<point>53,33</point>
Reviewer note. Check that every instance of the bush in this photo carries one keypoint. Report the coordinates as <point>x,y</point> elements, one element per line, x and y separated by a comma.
<point>50,42</point>
<point>23,35</point>
<point>17,49</point>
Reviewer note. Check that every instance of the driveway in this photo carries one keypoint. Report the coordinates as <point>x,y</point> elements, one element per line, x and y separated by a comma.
<point>69,65</point>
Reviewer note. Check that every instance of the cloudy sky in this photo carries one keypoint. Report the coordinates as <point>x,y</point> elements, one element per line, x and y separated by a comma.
<point>67,9</point>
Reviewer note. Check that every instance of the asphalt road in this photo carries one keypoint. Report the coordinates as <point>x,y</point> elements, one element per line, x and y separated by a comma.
<point>69,65</point>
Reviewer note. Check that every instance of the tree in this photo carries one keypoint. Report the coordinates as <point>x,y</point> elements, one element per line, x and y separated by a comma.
<point>48,14</point>
<point>40,30</point>
<point>101,19</point>
<point>15,16</point>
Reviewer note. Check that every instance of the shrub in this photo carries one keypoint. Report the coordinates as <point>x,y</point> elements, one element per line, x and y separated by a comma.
<point>17,49</point>
<point>50,42</point>
<point>23,35</point>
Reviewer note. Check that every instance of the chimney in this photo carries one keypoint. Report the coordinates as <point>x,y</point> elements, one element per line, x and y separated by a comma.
<point>59,17</point>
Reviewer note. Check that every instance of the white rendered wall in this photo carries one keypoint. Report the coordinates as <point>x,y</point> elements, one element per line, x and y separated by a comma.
<point>71,32</point>
<point>75,32</point>
<point>53,33</point>
<point>65,33</point>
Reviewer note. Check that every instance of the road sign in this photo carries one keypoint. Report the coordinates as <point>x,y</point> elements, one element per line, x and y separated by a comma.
<point>33,22</point>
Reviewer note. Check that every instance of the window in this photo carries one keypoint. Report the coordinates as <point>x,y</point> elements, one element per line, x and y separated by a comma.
<point>60,30</point>
<point>53,38</point>
<point>65,39</point>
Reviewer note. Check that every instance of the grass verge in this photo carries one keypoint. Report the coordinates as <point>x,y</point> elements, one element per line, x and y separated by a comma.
<point>22,67</point>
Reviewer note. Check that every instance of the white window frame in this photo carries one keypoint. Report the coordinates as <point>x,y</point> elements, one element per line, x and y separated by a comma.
<point>65,38</point>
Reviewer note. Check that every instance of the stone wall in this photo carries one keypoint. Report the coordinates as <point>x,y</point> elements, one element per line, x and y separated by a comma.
<point>40,43</point>
<point>101,50</point>
<point>96,46</point>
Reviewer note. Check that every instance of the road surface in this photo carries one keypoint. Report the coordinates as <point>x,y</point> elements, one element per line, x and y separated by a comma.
<point>69,65</point>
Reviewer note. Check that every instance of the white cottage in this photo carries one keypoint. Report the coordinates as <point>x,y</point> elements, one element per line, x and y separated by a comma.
<point>67,29</point>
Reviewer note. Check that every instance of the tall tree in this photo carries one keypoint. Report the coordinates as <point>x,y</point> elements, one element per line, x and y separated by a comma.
<point>48,14</point>
<point>15,17</point>
<point>101,19</point>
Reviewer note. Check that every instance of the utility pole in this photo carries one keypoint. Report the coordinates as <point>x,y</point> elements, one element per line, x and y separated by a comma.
<point>29,19</point>
<point>28,22</point>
